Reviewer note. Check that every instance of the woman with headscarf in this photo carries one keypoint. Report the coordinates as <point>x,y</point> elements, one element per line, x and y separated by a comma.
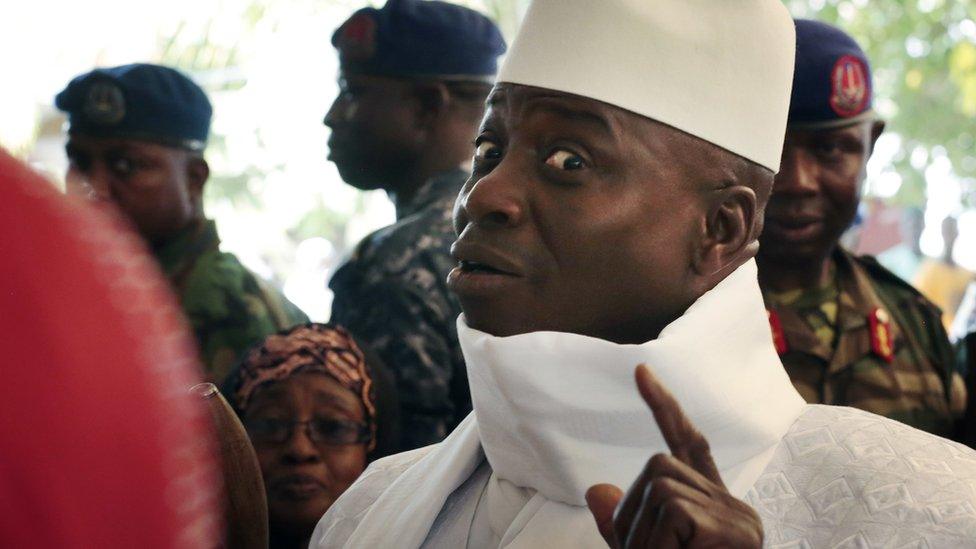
<point>317,411</point>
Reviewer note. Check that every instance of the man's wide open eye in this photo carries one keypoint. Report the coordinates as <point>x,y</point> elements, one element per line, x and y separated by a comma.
<point>565,160</point>
<point>486,149</point>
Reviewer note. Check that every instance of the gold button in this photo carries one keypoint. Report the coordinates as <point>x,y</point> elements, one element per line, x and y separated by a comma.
<point>882,316</point>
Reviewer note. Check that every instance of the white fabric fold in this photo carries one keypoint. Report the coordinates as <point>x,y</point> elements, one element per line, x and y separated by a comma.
<point>560,412</point>
<point>557,413</point>
<point>404,513</point>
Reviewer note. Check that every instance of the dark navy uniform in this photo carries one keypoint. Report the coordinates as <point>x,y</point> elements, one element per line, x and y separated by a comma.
<point>392,294</point>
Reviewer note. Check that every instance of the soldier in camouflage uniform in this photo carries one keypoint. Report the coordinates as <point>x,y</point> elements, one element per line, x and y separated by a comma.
<point>136,137</point>
<point>868,339</point>
<point>229,307</point>
<point>964,328</point>
<point>413,78</point>
<point>849,332</point>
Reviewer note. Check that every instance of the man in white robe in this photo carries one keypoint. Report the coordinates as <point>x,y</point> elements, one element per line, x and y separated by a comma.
<point>611,219</point>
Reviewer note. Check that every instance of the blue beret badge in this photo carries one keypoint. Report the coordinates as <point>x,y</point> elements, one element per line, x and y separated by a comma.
<point>104,103</point>
<point>848,86</point>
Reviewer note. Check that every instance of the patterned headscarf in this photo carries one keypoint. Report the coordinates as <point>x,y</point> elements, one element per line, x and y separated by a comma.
<point>311,347</point>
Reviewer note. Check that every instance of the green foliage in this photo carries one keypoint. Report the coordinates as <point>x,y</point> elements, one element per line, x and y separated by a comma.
<point>193,50</point>
<point>321,221</point>
<point>923,54</point>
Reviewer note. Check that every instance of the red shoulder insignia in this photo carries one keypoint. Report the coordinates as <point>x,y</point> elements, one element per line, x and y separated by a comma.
<point>879,325</point>
<point>779,338</point>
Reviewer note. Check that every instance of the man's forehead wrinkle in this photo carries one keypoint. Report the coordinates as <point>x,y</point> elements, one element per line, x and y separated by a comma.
<point>570,108</point>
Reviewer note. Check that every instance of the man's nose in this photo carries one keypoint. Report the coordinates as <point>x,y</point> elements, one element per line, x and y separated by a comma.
<point>495,200</point>
<point>798,173</point>
<point>337,112</point>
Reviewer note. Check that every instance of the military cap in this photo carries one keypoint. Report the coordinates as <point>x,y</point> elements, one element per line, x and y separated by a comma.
<point>420,38</point>
<point>832,80</point>
<point>139,101</point>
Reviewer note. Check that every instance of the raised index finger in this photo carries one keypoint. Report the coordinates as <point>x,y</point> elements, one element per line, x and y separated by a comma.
<point>682,437</point>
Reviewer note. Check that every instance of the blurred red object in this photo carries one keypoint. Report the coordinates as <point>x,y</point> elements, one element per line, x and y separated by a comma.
<point>101,445</point>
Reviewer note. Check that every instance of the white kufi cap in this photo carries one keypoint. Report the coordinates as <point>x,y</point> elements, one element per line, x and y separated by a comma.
<point>720,70</point>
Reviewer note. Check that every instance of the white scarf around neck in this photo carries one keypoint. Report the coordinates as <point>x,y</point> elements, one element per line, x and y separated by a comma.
<point>559,412</point>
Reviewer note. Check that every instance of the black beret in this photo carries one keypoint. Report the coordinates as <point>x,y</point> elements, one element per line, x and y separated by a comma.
<point>832,79</point>
<point>139,101</point>
<point>420,38</point>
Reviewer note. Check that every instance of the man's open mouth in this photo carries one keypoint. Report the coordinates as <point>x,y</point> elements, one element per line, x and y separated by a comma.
<point>475,267</point>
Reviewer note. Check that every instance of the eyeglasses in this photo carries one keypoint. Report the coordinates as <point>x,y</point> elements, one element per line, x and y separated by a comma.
<point>333,432</point>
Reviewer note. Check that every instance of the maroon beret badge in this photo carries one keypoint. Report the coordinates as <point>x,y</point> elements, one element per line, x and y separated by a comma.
<point>356,40</point>
<point>848,86</point>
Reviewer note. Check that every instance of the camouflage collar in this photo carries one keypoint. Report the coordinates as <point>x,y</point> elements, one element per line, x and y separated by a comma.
<point>799,336</point>
<point>857,301</point>
<point>178,254</point>
<point>858,298</point>
<point>433,190</point>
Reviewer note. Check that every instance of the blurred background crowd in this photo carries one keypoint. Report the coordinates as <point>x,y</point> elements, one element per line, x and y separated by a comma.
<point>270,71</point>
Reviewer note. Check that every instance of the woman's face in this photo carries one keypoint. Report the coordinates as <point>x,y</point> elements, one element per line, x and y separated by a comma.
<point>307,465</point>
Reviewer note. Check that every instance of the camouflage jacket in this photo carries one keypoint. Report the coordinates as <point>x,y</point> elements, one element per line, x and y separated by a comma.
<point>229,308</point>
<point>891,355</point>
<point>966,354</point>
<point>392,295</point>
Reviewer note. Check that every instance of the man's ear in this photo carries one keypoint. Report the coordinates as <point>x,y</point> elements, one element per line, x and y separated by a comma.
<point>197,174</point>
<point>876,129</point>
<point>728,231</point>
<point>433,99</point>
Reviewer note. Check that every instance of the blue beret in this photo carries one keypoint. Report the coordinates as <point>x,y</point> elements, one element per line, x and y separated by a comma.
<point>418,38</point>
<point>832,79</point>
<point>139,101</point>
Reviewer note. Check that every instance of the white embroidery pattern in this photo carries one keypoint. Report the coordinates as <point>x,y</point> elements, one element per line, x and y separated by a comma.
<point>847,478</point>
<point>842,478</point>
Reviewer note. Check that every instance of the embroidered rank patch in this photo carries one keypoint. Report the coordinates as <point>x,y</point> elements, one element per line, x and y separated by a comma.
<point>848,86</point>
<point>879,325</point>
<point>779,338</point>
